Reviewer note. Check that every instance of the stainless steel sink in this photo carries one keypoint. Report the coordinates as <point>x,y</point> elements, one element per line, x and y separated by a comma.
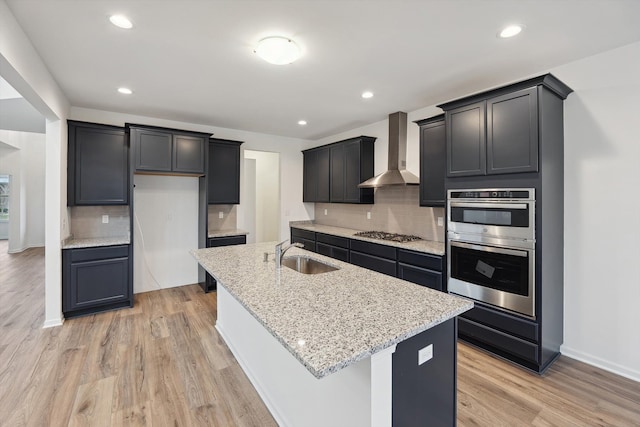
<point>306,265</point>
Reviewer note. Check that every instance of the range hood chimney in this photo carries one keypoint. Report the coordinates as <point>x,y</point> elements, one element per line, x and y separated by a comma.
<point>396,173</point>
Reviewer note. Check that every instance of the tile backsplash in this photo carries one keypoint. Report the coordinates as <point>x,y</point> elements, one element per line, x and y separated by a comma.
<point>396,210</point>
<point>229,220</point>
<point>86,221</point>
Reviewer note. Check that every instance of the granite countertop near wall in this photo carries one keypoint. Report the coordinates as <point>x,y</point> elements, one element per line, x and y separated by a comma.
<point>227,233</point>
<point>426,246</point>
<point>331,320</point>
<point>94,242</point>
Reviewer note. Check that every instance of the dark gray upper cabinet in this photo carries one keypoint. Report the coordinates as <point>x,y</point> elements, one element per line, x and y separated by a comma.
<point>188,154</point>
<point>224,172</point>
<point>331,173</point>
<point>497,132</point>
<point>316,171</point>
<point>512,132</point>
<point>466,140</point>
<point>170,151</point>
<point>98,165</point>
<point>337,161</point>
<point>433,159</point>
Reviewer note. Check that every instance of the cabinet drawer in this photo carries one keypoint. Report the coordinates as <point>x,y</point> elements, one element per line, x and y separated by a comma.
<point>226,241</point>
<point>502,321</point>
<point>104,252</point>
<point>305,234</point>
<point>421,276</point>
<point>309,245</point>
<point>341,242</point>
<point>371,262</point>
<point>431,262</point>
<point>99,282</point>
<point>499,340</point>
<point>332,251</point>
<point>383,251</point>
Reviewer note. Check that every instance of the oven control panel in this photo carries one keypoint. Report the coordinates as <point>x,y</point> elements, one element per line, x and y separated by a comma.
<point>499,194</point>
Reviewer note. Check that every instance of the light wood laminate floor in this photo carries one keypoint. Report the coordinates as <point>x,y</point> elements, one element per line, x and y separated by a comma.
<point>162,363</point>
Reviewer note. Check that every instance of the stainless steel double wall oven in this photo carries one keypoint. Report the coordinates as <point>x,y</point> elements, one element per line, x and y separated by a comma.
<point>491,247</point>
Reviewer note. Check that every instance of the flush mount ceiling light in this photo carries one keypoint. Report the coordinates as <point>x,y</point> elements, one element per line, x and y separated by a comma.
<point>367,95</point>
<point>125,90</point>
<point>510,31</point>
<point>302,122</point>
<point>278,50</point>
<point>121,21</point>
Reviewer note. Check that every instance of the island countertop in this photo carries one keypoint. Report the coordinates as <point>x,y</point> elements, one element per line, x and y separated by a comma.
<point>331,320</point>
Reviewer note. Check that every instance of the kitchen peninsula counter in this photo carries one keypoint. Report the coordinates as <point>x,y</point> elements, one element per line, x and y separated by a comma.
<point>426,246</point>
<point>342,327</point>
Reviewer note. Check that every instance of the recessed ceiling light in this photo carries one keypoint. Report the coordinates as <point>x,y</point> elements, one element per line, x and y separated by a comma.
<point>121,21</point>
<point>367,95</point>
<point>302,122</point>
<point>278,50</point>
<point>510,31</point>
<point>125,90</point>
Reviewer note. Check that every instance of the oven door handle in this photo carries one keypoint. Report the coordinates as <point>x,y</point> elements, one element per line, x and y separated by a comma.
<point>522,206</point>
<point>520,253</point>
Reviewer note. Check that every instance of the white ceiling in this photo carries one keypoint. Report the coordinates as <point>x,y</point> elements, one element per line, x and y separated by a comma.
<point>192,60</point>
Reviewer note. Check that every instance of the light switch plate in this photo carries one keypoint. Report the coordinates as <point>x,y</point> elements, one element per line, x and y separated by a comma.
<point>325,211</point>
<point>368,215</point>
<point>220,215</point>
<point>425,354</point>
<point>440,221</point>
<point>105,219</point>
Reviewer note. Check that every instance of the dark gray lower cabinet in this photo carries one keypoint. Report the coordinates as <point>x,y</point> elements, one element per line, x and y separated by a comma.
<point>422,269</point>
<point>374,257</point>
<point>214,242</point>
<point>333,246</point>
<point>306,237</point>
<point>424,394</point>
<point>96,279</point>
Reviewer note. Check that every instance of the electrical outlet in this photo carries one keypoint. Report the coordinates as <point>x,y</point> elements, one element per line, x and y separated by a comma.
<point>425,354</point>
<point>368,215</point>
<point>105,219</point>
<point>220,215</point>
<point>326,212</point>
<point>440,221</point>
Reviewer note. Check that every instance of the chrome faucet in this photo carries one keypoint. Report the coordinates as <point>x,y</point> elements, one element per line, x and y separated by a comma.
<point>280,251</point>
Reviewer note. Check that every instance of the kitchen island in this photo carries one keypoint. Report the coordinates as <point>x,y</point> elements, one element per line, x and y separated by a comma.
<point>347,347</point>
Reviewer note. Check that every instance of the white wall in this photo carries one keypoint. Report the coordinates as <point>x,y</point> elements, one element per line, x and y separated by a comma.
<point>165,229</point>
<point>23,157</point>
<point>602,219</point>
<point>247,214</point>
<point>267,195</point>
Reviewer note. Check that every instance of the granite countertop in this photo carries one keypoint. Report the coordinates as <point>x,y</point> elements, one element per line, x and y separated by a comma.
<point>227,233</point>
<point>427,246</point>
<point>94,242</point>
<point>331,320</point>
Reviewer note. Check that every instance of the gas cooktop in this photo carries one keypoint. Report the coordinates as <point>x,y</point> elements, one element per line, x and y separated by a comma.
<point>382,235</point>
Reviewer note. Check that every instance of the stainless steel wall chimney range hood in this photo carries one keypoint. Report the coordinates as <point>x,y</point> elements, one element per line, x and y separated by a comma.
<point>396,173</point>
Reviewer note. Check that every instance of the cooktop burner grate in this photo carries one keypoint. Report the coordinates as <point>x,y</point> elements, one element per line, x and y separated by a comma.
<point>382,235</point>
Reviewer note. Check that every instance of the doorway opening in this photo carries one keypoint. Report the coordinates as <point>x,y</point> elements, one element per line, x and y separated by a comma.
<point>259,211</point>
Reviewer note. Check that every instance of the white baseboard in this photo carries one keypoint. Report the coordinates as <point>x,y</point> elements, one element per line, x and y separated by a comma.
<point>17,251</point>
<point>615,368</point>
<point>51,323</point>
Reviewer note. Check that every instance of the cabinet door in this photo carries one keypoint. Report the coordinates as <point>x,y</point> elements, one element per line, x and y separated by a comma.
<point>224,173</point>
<point>98,282</point>
<point>337,153</point>
<point>433,159</point>
<point>512,132</point>
<point>466,140</point>
<point>188,154</point>
<point>309,176</point>
<point>153,150</point>
<point>322,175</point>
<point>352,172</point>
<point>101,166</point>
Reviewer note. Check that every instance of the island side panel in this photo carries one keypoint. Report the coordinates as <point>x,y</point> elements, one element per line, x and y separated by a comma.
<point>292,394</point>
<point>425,394</point>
